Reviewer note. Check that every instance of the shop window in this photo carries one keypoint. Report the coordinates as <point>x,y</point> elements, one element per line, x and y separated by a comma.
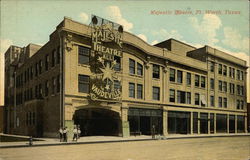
<point>221,123</point>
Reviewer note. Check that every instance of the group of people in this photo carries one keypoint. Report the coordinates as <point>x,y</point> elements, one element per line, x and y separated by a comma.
<point>63,133</point>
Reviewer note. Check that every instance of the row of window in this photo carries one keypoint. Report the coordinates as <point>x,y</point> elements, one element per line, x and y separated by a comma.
<point>29,73</point>
<point>28,94</point>
<point>222,102</point>
<point>240,104</point>
<point>135,68</point>
<point>223,70</point>
<point>223,87</point>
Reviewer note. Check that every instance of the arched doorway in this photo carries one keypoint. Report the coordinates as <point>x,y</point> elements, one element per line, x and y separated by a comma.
<point>96,121</point>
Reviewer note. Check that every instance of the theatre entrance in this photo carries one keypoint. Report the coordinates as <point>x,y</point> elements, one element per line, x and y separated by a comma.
<point>97,121</point>
<point>145,121</point>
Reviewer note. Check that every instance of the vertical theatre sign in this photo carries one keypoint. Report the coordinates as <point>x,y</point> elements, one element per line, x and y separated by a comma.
<point>106,54</point>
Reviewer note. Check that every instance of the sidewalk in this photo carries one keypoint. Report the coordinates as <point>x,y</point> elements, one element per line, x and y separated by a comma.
<point>108,139</point>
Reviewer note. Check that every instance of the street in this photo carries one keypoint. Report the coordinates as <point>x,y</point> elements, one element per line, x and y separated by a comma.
<point>219,148</point>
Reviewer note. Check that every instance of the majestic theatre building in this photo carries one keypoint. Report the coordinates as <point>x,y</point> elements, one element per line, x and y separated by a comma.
<point>110,82</point>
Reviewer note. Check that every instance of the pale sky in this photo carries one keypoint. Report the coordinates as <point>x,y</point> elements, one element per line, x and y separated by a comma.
<point>24,22</point>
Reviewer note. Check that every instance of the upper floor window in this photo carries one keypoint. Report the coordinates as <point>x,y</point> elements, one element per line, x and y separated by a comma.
<point>220,101</point>
<point>172,75</point>
<point>131,66</point>
<point>53,58</point>
<point>179,76</point>
<point>225,102</point>
<point>58,55</point>
<point>117,66</point>
<point>47,62</point>
<point>211,66</point>
<point>83,55</point>
<point>225,86</point>
<point>203,82</point>
<point>220,85</point>
<point>181,97</point>
<point>212,101</point>
<point>188,97</point>
<point>132,90</point>
<point>117,85</point>
<point>156,71</point>
<point>171,95</point>
<point>211,83</point>
<point>231,88</point>
<point>83,83</point>
<point>188,78</point>
<point>139,91</point>
<point>156,93</point>
<point>241,75</point>
<point>197,99</point>
<point>40,66</point>
<point>46,89</point>
<point>238,74</point>
<point>139,69</point>
<point>197,80</point>
<point>238,104</point>
<point>224,70</point>
<point>220,69</point>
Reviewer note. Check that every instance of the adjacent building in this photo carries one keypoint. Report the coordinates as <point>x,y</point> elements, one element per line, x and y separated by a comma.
<point>111,82</point>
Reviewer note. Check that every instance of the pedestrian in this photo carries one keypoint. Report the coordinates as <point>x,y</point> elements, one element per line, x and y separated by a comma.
<point>78,132</point>
<point>75,134</point>
<point>65,136</point>
<point>153,132</point>
<point>61,134</point>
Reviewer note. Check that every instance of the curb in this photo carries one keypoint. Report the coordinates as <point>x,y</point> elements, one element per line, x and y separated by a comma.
<point>117,141</point>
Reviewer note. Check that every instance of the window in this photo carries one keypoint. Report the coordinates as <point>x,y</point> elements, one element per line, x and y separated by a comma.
<point>233,73</point>
<point>172,75</point>
<point>230,72</point>
<point>220,85</point>
<point>156,93</point>
<point>179,76</point>
<point>46,88</point>
<point>211,66</point>
<point>131,66</point>
<point>36,69</point>
<point>40,66</point>
<point>238,89</point>
<point>83,55</point>
<point>40,91</point>
<point>220,101</point>
<point>53,85</point>
<point>53,58</point>
<point>241,75</point>
<point>188,78</point>
<point>225,86</point>
<point>31,73</point>
<point>117,66</point>
<point>83,83</point>
<point>212,101</point>
<point>242,104</point>
<point>181,97</point>
<point>139,91</point>
<point>58,55</point>
<point>231,88</point>
<point>58,83</point>
<point>139,69</point>
<point>224,70</point>
<point>238,75</point>
<point>220,69</point>
<point>156,71</point>
<point>132,90</point>
<point>197,80</point>
<point>241,90</point>
<point>225,102</point>
<point>197,99</point>
<point>188,97</point>
<point>211,83</point>
<point>46,62</point>
<point>238,104</point>
<point>117,85</point>
<point>171,95</point>
<point>203,82</point>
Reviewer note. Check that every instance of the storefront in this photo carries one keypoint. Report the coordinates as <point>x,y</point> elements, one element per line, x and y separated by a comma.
<point>178,122</point>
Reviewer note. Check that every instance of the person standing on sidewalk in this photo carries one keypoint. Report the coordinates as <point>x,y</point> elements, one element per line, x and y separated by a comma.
<point>75,134</point>
<point>78,132</point>
<point>65,136</point>
<point>61,134</point>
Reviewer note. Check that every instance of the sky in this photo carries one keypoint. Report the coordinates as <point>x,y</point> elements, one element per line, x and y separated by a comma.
<point>225,28</point>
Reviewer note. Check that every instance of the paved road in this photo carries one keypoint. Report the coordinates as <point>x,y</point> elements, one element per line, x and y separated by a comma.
<point>224,148</point>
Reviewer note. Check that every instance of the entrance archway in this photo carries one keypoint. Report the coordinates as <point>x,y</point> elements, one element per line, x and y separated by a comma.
<point>96,121</point>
